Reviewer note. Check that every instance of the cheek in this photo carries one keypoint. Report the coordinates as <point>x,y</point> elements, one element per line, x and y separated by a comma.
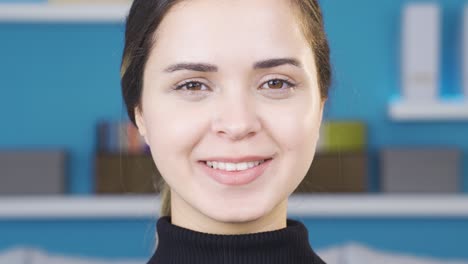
<point>294,127</point>
<point>173,130</point>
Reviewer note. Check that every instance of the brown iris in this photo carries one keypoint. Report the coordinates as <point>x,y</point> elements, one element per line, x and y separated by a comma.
<point>193,86</point>
<point>275,84</point>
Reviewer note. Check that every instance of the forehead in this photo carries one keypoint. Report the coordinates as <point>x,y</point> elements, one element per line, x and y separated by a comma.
<point>229,31</point>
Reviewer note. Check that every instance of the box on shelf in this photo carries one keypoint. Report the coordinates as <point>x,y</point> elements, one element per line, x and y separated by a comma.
<point>420,51</point>
<point>420,170</point>
<point>125,173</point>
<point>336,172</point>
<point>339,136</point>
<point>32,172</point>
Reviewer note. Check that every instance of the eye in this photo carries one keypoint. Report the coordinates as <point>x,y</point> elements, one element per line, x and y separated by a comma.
<point>278,84</point>
<point>191,86</point>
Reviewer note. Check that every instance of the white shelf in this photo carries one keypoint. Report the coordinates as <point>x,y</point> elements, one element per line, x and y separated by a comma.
<point>306,205</point>
<point>71,13</point>
<point>401,110</point>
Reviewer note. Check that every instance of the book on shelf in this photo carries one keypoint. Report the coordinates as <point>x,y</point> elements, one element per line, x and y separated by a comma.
<point>119,137</point>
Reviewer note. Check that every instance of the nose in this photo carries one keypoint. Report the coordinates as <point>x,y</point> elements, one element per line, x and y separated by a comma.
<point>235,117</point>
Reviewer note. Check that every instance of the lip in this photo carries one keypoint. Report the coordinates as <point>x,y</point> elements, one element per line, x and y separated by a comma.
<point>236,178</point>
<point>237,159</point>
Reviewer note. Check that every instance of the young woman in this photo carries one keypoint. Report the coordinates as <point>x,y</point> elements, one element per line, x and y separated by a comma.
<point>229,96</point>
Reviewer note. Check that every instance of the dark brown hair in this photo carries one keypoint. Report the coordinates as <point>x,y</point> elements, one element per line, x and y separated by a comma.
<point>142,23</point>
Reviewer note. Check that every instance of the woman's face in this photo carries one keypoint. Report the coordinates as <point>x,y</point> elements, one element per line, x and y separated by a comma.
<point>230,80</point>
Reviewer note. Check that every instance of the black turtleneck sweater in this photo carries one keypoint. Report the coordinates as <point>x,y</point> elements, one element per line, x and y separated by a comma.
<point>178,245</point>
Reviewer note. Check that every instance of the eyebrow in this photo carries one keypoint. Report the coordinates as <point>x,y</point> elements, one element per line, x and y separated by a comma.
<point>270,63</point>
<point>205,67</point>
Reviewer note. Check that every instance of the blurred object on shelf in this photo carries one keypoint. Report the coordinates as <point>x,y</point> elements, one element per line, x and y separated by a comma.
<point>465,54</point>
<point>125,173</point>
<point>336,172</point>
<point>421,97</point>
<point>420,170</point>
<point>338,136</point>
<point>25,172</point>
<point>341,160</point>
<point>119,137</point>
<point>67,12</point>
<point>420,51</point>
<point>447,109</point>
<point>96,2</point>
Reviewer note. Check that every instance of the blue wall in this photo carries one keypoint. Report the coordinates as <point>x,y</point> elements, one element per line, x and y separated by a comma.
<point>59,79</point>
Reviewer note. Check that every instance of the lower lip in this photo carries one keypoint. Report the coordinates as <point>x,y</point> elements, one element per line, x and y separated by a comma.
<point>236,178</point>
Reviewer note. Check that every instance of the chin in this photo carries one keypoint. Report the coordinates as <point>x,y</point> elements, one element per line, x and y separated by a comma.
<point>238,214</point>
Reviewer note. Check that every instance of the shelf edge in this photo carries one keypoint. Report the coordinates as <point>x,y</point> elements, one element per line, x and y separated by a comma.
<point>300,205</point>
<point>69,13</point>
<point>401,110</point>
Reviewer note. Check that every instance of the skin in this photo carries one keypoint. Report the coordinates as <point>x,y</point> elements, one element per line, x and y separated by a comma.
<point>234,111</point>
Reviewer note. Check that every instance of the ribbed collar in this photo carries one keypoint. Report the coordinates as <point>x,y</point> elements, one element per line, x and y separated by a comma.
<point>178,245</point>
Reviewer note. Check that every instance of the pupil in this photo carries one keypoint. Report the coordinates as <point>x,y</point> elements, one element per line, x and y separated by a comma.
<point>192,85</point>
<point>276,84</point>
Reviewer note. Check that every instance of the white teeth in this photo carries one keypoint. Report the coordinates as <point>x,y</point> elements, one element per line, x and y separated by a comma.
<point>227,166</point>
<point>221,166</point>
<point>242,166</point>
<point>230,166</point>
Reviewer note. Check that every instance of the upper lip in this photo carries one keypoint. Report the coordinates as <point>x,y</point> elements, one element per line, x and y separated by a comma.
<point>238,159</point>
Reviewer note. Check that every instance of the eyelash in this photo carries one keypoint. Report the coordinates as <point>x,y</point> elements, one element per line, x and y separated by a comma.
<point>288,82</point>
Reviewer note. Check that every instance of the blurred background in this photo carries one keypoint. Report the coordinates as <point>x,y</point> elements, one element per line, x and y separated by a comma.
<point>390,175</point>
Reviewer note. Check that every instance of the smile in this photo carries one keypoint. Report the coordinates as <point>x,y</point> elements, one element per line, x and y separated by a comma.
<point>235,174</point>
<point>227,166</point>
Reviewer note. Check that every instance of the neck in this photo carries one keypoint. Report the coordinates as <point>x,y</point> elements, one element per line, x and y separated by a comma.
<point>184,215</point>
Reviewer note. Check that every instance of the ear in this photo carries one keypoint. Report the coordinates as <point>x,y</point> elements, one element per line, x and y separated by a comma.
<point>140,122</point>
